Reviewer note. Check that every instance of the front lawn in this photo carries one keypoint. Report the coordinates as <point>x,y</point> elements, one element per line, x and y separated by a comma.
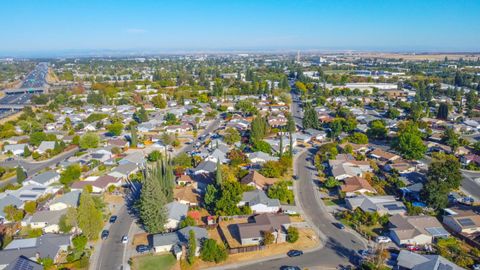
<point>153,262</point>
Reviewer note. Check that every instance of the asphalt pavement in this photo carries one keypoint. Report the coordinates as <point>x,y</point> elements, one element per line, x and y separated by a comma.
<point>34,167</point>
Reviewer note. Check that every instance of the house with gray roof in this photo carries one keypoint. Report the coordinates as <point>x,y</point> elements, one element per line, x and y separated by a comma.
<point>46,178</point>
<point>46,220</point>
<point>47,245</point>
<point>218,155</point>
<point>45,145</point>
<point>137,158</point>
<point>8,199</point>
<point>16,149</point>
<point>174,241</point>
<point>176,212</point>
<point>415,230</point>
<point>70,199</point>
<point>414,261</point>
<point>253,233</point>
<point>261,157</point>
<point>205,167</point>
<point>381,204</point>
<point>258,201</point>
<point>124,171</point>
<point>22,262</point>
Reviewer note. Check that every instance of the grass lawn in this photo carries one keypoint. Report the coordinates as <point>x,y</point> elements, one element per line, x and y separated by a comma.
<point>153,262</point>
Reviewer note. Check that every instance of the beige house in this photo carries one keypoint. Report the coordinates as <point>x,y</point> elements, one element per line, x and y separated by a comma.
<point>415,230</point>
<point>462,219</point>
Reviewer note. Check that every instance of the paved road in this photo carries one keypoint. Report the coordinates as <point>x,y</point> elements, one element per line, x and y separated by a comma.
<point>34,167</point>
<point>340,246</point>
<point>112,253</point>
<point>470,185</point>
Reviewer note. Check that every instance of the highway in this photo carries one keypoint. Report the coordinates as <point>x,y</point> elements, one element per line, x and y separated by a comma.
<point>112,253</point>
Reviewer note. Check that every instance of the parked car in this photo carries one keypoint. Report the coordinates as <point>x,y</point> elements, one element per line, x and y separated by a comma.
<point>105,234</point>
<point>124,239</point>
<point>143,248</point>
<point>289,212</point>
<point>339,225</point>
<point>383,239</point>
<point>294,253</point>
<point>287,267</point>
<point>412,248</point>
<point>113,219</point>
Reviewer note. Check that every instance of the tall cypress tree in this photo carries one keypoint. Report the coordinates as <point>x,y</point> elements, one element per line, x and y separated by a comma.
<point>133,136</point>
<point>89,216</point>
<point>218,176</point>
<point>152,202</point>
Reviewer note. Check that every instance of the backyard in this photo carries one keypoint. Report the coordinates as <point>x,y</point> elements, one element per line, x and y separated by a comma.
<point>153,262</point>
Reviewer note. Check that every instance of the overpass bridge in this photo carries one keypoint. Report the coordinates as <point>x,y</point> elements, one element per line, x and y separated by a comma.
<point>37,90</point>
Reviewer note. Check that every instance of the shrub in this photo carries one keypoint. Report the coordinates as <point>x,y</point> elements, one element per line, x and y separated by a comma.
<point>292,234</point>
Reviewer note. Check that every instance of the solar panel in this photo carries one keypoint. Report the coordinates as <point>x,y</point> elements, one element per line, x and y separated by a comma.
<point>392,207</point>
<point>466,222</point>
<point>437,231</point>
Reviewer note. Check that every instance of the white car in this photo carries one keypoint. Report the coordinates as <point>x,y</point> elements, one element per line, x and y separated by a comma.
<point>383,239</point>
<point>124,239</point>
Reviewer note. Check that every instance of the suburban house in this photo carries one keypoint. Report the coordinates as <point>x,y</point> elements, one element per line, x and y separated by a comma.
<point>258,201</point>
<point>462,219</point>
<point>176,212</point>
<point>255,179</point>
<point>408,260</point>
<point>355,185</point>
<point>381,204</point>
<point>205,167</point>
<point>99,185</point>
<point>124,171</point>
<point>47,245</point>
<point>383,156</point>
<point>137,158</point>
<point>46,220</point>
<point>261,157</point>
<point>415,230</point>
<point>45,146</point>
<point>177,242</point>
<point>184,180</point>
<point>16,149</point>
<point>46,178</point>
<point>70,199</point>
<point>342,168</point>
<point>8,199</point>
<point>187,195</point>
<point>253,233</point>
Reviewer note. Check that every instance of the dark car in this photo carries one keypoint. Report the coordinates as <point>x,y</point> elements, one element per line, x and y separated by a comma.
<point>113,219</point>
<point>339,225</point>
<point>105,234</point>
<point>287,267</point>
<point>294,253</point>
<point>143,248</point>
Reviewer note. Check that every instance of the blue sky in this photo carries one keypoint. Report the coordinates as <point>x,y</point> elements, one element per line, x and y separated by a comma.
<point>32,25</point>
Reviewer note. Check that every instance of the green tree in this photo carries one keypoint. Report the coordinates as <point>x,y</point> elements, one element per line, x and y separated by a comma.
<point>12,213</point>
<point>292,234</point>
<point>89,140</point>
<point>246,107</point>
<point>409,142</point>
<point>30,207</point>
<point>331,182</point>
<point>231,136</point>
<point>258,130</point>
<point>90,219</point>
<point>442,112</point>
<point>152,204</point>
<point>188,221</point>
<point>281,191</point>
<point>451,138</point>
<point>154,156</point>
<point>133,136</point>
<point>159,102</point>
<point>443,175</point>
<point>115,128</point>
<point>79,242</point>
<point>218,175</point>
<point>377,130</point>
<point>70,174</point>
<point>358,138</point>
<point>141,115</point>
<point>192,247</point>
<point>26,151</point>
<point>213,252</point>
<point>310,117</point>
<point>268,238</point>
<point>393,113</point>
<point>21,175</point>
<point>211,197</point>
